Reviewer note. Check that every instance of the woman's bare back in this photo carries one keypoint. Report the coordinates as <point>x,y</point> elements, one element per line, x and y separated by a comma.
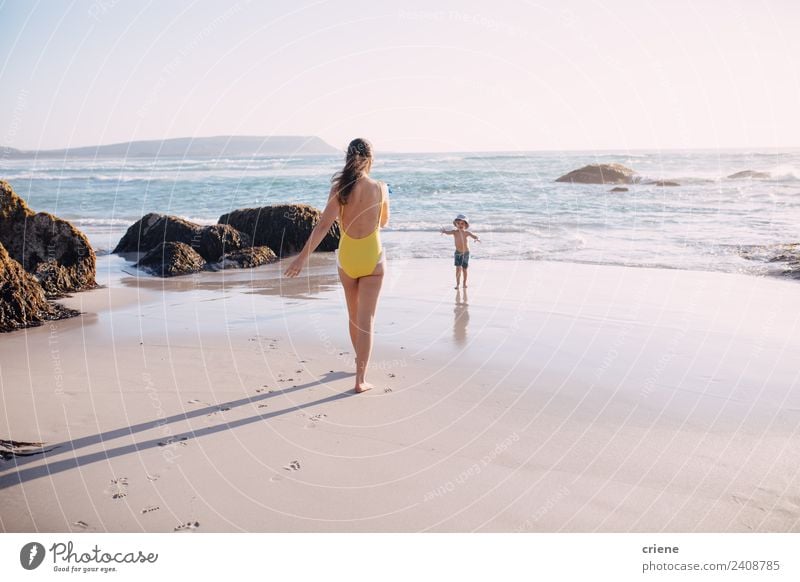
<point>360,214</point>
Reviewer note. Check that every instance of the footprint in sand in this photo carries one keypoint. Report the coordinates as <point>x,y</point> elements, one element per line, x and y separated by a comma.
<point>293,466</point>
<point>81,524</point>
<point>219,410</point>
<point>153,477</point>
<point>387,390</point>
<point>263,405</point>
<point>174,442</point>
<point>189,525</point>
<point>276,478</point>
<point>767,502</point>
<point>193,401</point>
<point>150,509</point>
<point>315,419</point>
<point>391,375</point>
<point>118,488</point>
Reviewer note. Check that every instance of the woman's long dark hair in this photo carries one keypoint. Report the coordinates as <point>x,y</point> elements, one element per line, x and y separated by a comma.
<point>357,162</point>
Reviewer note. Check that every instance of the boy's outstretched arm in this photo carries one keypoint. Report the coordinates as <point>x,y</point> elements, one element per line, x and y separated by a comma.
<point>473,236</point>
<point>445,231</point>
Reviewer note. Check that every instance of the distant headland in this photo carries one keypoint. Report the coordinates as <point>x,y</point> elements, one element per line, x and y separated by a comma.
<point>217,146</point>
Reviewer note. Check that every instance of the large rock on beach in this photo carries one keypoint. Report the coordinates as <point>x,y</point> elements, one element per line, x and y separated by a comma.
<point>600,174</point>
<point>47,247</point>
<point>170,259</point>
<point>749,174</point>
<point>245,259</point>
<point>152,229</point>
<point>284,228</point>
<point>22,299</point>
<point>218,239</point>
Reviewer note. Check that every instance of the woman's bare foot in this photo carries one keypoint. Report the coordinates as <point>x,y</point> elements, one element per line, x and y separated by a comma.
<point>363,387</point>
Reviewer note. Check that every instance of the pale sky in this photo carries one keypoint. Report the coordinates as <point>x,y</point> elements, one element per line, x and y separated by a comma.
<point>408,75</point>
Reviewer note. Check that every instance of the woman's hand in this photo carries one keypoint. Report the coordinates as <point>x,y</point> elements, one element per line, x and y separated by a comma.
<point>293,270</point>
<point>320,230</point>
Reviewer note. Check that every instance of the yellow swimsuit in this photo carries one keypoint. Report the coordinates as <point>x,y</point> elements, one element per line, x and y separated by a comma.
<point>358,257</point>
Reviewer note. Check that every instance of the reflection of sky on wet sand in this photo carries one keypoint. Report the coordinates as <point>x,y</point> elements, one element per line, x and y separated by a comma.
<point>318,278</point>
<point>264,300</point>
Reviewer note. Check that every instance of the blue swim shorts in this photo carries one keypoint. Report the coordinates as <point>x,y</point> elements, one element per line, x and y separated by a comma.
<point>462,259</point>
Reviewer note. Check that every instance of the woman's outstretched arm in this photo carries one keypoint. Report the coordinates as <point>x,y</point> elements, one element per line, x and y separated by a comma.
<point>320,230</point>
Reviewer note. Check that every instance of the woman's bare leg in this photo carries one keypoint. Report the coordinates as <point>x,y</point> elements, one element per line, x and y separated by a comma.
<point>369,288</point>
<point>350,286</point>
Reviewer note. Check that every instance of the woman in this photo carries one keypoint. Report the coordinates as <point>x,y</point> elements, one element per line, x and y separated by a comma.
<point>362,206</point>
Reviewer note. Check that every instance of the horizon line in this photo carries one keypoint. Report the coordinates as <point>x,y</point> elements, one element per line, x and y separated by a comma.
<point>457,151</point>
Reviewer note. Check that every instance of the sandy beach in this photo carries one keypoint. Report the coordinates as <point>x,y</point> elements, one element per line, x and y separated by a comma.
<point>550,397</point>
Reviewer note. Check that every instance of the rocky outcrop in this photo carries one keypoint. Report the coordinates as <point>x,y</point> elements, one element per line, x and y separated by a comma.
<point>284,228</point>
<point>600,174</point>
<point>618,189</point>
<point>663,183</point>
<point>169,259</point>
<point>245,259</point>
<point>22,299</point>
<point>49,248</point>
<point>243,238</point>
<point>749,174</point>
<point>218,239</point>
<point>153,229</point>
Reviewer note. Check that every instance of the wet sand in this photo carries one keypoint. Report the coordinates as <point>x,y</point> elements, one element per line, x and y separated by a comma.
<point>548,397</point>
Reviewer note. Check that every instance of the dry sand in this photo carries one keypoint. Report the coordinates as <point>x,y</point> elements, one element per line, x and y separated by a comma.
<point>553,397</point>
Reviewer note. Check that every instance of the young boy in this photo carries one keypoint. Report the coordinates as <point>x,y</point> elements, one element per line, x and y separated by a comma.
<point>461,237</point>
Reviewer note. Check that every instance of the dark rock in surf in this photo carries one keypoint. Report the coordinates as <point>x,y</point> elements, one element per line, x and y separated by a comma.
<point>170,259</point>
<point>663,183</point>
<point>245,259</point>
<point>618,189</point>
<point>751,174</point>
<point>284,228</point>
<point>47,247</point>
<point>600,174</point>
<point>153,229</point>
<point>787,257</point>
<point>218,239</point>
<point>22,299</point>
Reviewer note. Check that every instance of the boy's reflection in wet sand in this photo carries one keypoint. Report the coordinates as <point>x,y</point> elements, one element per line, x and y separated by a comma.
<point>460,317</point>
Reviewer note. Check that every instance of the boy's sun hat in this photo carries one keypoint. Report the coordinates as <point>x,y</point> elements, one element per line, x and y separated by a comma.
<point>461,217</point>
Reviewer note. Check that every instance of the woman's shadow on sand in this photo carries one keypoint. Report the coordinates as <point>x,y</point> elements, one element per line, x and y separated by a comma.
<point>10,479</point>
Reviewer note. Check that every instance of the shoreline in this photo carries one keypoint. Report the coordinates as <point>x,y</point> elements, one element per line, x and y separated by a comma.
<point>556,397</point>
<point>757,259</point>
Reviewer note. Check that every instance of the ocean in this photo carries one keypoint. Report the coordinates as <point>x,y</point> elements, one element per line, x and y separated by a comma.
<point>511,200</point>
